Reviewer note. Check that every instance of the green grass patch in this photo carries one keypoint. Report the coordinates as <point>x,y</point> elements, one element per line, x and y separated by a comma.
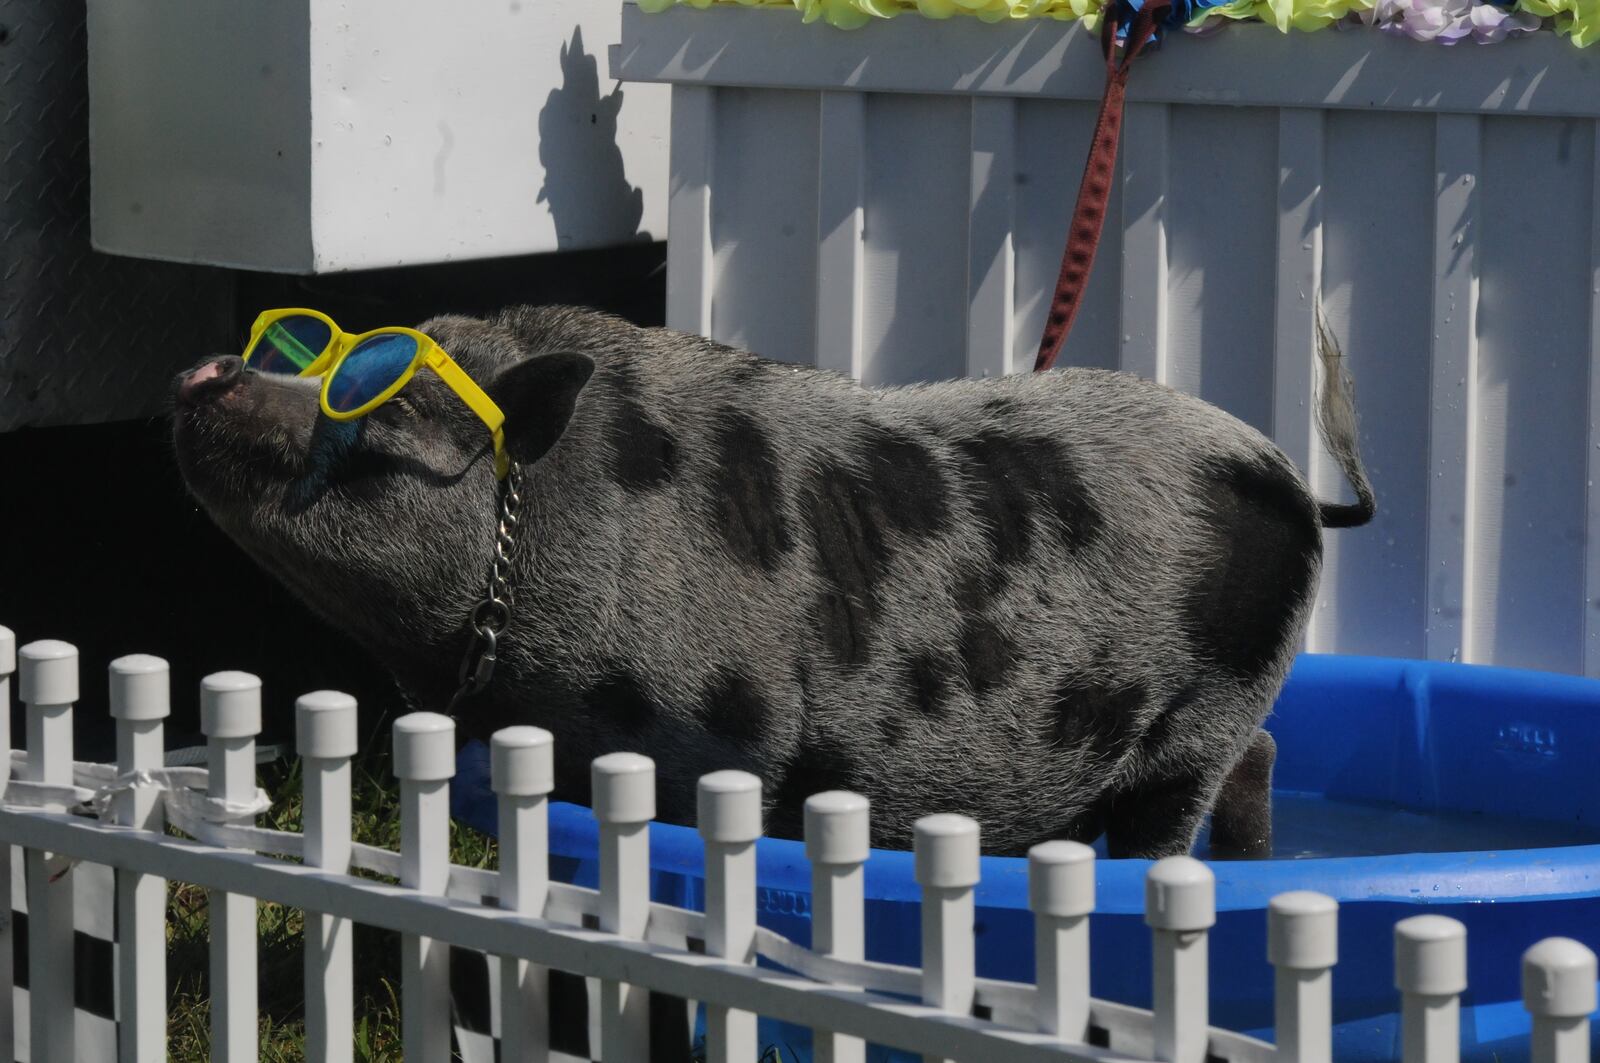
<point>375,820</point>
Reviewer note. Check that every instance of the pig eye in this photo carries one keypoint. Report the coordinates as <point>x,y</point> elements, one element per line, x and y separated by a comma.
<point>405,407</point>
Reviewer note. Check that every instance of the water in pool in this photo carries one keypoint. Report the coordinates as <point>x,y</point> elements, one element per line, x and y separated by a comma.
<point>1310,825</point>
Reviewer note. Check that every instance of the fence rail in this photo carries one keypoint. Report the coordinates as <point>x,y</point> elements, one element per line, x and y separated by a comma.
<point>62,813</point>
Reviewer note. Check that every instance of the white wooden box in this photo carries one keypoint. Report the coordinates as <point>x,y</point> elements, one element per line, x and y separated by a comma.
<point>892,202</point>
<point>308,136</point>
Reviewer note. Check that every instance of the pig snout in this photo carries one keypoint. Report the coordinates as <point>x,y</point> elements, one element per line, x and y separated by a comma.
<point>210,380</point>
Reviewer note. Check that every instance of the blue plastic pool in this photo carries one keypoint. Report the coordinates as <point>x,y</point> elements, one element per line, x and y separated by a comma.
<point>1401,786</point>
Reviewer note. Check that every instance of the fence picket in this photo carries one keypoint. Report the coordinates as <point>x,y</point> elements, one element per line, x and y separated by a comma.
<point>1061,894</point>
<point>49,687</point>
<point>325,738</point>
<point>1430,970</point>
<point>522,773</point>
<point>837,843</point>
<point>945,849</point>
<point>729,819</point>
<point>8,1023</point>
<point>230,717</point>
<point>424,762</point>
<point>1558,989</point>
<point>1180,906</point>
<point>1303,946</point>
<point>623,787</point>
<point>141,699</point>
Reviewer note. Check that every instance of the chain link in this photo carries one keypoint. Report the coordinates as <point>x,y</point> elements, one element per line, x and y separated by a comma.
<point>490,616</point>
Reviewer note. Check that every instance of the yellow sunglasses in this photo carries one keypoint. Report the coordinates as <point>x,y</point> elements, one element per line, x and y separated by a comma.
<point>362,371</point>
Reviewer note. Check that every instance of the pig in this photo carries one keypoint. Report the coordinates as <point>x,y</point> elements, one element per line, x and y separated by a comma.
<point>1060,603</point>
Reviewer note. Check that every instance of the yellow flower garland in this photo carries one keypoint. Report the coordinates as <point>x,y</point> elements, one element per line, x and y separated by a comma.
<point>851,14</point>
<point>1303,15</point>
<point>1577,19</point>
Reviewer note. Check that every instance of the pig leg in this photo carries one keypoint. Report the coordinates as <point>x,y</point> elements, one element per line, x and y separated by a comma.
<point>1159,817</point>
<point>1187,758</point>
<point>1241,821</point>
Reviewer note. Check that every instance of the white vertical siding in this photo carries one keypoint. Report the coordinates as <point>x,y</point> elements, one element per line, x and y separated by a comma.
<point>1376,264</point>
<point>1591,612</point>
<point>841,231</point>
<point>1145,241</point>
<point>1531,435</point>
<point>1457,167</point>
<point>690,250</point>
<point>1222,169</point>
<point>991,248</point>
<point>918,163</point>
<point>764,222</point>
<point>1299,278</point>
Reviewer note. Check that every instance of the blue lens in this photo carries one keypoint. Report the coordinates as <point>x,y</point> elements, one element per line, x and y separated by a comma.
<point>289,345</point>
<point>371,367</point>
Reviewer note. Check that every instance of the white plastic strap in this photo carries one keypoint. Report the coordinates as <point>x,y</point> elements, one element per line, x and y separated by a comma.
<point>57,798</point>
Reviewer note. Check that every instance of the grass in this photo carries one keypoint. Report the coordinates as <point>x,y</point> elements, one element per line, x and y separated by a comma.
<point>280,957</point>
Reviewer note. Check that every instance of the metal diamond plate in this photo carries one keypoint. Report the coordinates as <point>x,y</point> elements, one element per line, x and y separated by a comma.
<point>84,337</point>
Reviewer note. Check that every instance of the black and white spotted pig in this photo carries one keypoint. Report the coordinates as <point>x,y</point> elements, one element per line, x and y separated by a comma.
<point>1059,603</point>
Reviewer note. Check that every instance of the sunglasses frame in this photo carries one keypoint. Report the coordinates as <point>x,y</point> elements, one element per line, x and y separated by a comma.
<point>429,353</point>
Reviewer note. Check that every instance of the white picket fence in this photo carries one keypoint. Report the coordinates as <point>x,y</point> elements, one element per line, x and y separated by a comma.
<point>60,813</point>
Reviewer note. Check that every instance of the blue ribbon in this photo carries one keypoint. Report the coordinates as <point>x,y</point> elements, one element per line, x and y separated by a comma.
<point>1179,14</point>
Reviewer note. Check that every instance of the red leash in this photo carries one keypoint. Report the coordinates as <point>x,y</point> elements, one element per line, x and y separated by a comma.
<point>1088,217</point>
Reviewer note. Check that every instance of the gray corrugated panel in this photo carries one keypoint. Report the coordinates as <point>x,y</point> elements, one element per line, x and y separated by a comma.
<point>84,337</point>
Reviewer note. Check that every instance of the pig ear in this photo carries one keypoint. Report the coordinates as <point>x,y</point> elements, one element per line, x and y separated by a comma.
<point>538,397</point>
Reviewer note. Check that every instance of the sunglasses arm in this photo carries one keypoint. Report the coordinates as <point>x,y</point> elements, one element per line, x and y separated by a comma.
<point>475,397</point>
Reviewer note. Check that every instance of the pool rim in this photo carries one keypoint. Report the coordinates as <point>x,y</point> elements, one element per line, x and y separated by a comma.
<point>1551,873</point>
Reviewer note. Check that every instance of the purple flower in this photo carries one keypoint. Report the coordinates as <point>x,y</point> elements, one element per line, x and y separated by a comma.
<point>1448,21</point>
<point>1491,24</point>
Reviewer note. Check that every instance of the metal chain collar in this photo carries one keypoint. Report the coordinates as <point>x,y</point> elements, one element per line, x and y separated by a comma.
<point>491,615</point>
